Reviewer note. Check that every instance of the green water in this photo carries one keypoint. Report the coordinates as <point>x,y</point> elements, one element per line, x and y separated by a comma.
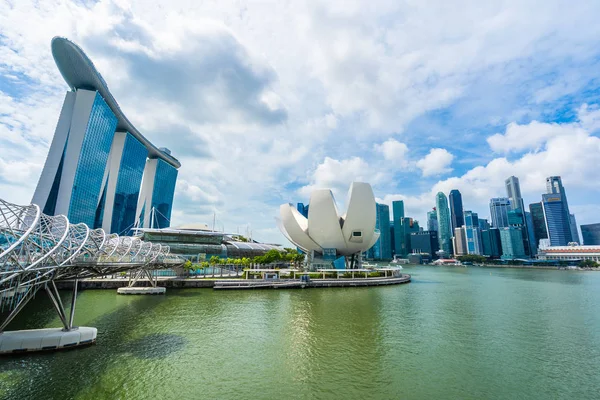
<point>453,333</point>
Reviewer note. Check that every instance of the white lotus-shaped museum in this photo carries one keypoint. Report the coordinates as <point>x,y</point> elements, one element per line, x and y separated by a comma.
<point>325,228</point>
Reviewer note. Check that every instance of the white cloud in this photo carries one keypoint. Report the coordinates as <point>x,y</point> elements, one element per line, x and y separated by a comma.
<point>393,151</point>
<point>527,137</point>
<point>436,162</point>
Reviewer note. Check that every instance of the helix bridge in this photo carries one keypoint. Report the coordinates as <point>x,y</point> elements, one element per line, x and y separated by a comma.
<point>37,250</point>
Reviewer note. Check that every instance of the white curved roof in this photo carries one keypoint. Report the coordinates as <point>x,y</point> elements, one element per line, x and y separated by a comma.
<point>351,233</point>
<point>80,73</point>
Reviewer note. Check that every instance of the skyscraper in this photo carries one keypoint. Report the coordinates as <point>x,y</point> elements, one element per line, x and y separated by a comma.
<point>382,249</point>
<point>539,223</point>
<point>512,243</point>
<point>398,215</point>
<point>432,221</point>
<point>424,242</point>
<point>472,233</point>
<point>491,243</point>
<point>407,226</point>
<point>97,158</point>
<point>459,242</point>
<point>513,192</point>
<point>554,186</point>
<point>445,228</point>
<point>499,207</point>
<point>591,234</point>
<point>573,228</point>
<point>456,209</point>
<point>484,224</point>
<point>558,224</point>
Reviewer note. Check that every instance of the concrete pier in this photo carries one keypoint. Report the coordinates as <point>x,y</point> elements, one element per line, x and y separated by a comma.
<point>12,342</point>
<point>313,283</point>
<point>141,290</point>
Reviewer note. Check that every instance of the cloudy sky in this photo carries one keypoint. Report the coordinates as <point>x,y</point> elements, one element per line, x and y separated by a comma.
<point>262,102</point>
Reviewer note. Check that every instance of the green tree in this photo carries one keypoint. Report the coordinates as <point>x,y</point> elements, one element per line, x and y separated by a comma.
<point>214,260</point>
<point>588,264</point>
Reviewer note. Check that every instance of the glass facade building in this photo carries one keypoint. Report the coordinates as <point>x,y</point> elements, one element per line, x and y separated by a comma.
<point>512,243</point>
<point>127,190</point>
<point>86,200</point>
<point>398,215</point>
<point>407,227</point>
<point>555,187</point>
<point>424,242</point>
<point>499,207</point>
<point>513,192</point>
<point>445,228</point>
<point>472,233</point>
<point>302,209</point>
<point>382,249</point>
<point>538,222</point>
<point>491,243</point>
<point>162,194</point>
<point>456,209</point>
<point>591,234</point>
<point>573,228</point>
<point>93,172</point>
<point>432,222</point>
<point>558,224</point>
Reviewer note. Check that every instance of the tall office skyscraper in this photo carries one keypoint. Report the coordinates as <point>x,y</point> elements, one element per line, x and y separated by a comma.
<point>560,225</point>
<point>539,223</point>
<point>398,215</point>
<point>512,243</point>
<point>513,192</point>
<point>516,219</point>
<point>491,243</point>
<point>459,242</point>
<point>445,227</point>
<point>591,234</point>
<point>432,221</point>
<point>472,233</point>
<point>484,224</point>
<point>407,226</point>
<point>499,207</point>
<point>573,228</point>
<point>97,158</point>
<point>424,242</point>
<point>456,209</point>
<point>382,249</point>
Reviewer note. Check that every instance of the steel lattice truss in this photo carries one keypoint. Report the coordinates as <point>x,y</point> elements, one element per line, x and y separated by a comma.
<point>36,249</point>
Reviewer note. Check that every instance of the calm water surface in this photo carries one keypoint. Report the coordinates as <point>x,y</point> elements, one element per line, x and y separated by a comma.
<point>453,333</point>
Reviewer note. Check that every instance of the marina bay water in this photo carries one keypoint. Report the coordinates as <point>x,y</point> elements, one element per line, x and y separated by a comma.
<point>453,333</point>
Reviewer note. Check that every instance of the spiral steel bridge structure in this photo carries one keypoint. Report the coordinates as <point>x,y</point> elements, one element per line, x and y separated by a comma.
<point>36,250</point>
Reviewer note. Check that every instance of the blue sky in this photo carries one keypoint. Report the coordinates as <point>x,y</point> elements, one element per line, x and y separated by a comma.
<point>265,101</point>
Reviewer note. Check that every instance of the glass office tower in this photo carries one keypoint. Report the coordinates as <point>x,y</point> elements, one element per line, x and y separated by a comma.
<point>591,234</point>
<point>499,207</point>
<point>539,223</point>
<point>445,228</point>
<point>558,223</point>
<point>456,209</point>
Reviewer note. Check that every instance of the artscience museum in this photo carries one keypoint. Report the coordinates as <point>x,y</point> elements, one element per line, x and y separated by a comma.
<point>326,235</point>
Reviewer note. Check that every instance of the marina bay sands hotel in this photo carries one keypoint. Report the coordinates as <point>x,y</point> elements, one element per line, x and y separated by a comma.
<point>100,169</point>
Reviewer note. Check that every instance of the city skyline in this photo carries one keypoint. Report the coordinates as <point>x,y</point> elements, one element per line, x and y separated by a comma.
<point>423,115</point>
